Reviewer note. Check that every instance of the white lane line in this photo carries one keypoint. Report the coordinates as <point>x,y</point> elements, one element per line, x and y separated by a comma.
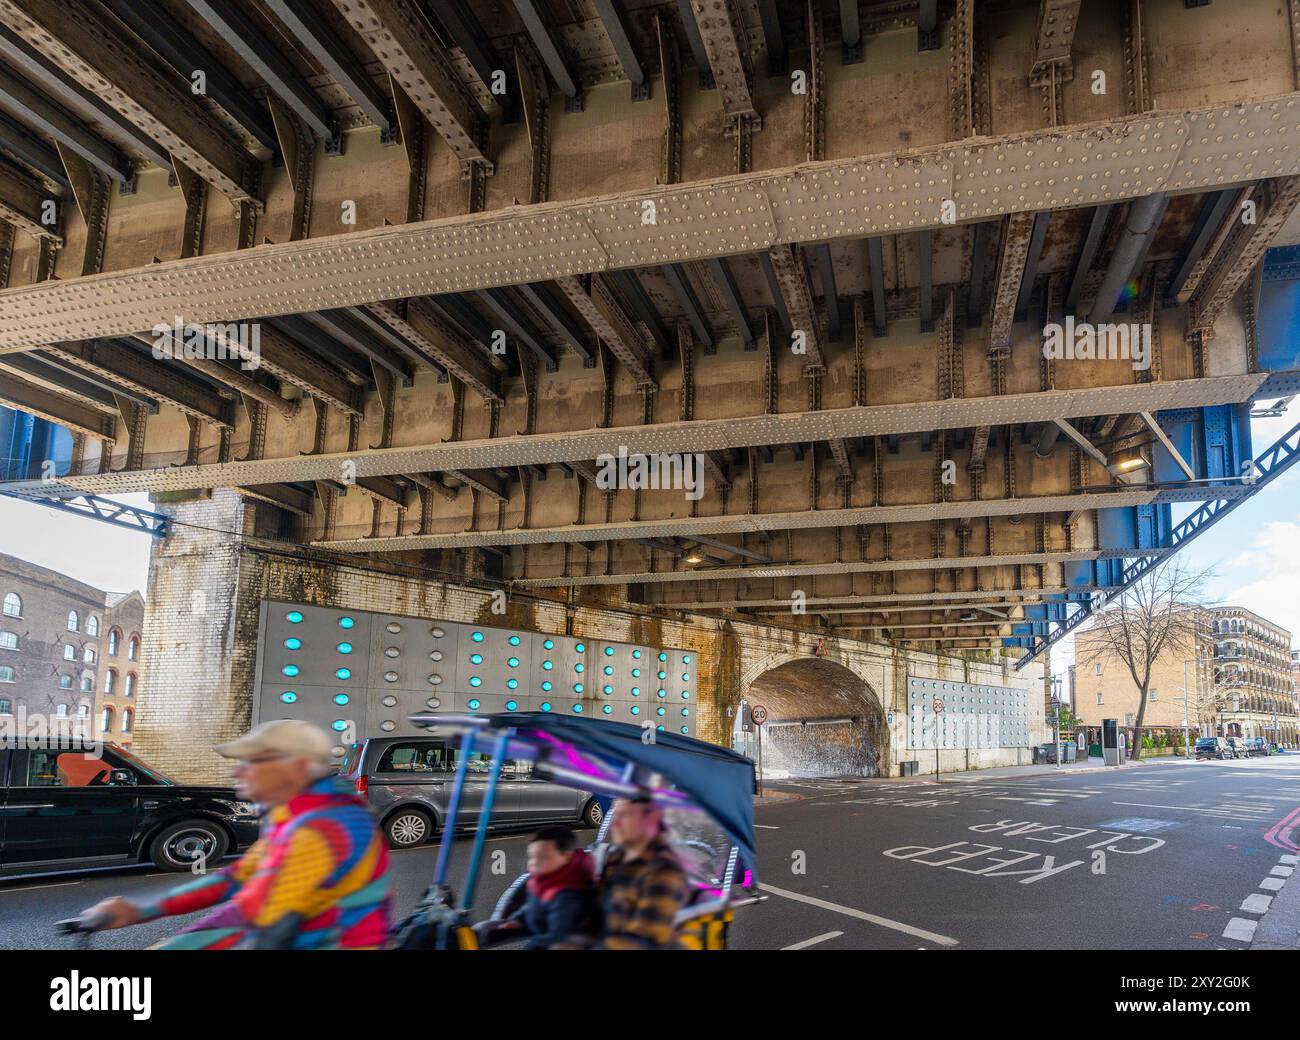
<point>1240,929</point>
<point>813,941</point>
<point>1221,813</point>
<point>848,911</point>
<point>1272,884</point>
<point>1255,903</point>
<point>765,827</point>
<point>30,888</point>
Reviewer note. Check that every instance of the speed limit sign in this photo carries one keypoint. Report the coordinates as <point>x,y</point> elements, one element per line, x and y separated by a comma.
<point>758,714</point>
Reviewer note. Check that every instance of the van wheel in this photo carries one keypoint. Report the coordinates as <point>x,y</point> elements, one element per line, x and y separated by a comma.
<point>407,828</point>
<point>181,845</point>
<point>592,814</point>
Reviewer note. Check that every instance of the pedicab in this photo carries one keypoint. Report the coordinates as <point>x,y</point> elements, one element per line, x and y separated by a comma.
<point>706,793</point>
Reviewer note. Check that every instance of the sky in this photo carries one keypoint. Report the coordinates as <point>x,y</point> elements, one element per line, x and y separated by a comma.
<point>1255,551</point>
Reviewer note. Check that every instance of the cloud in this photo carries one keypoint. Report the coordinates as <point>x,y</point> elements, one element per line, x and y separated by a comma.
<point>1265,576</point>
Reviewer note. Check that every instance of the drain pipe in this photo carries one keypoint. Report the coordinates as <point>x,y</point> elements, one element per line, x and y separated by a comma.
<point>1143,219</point>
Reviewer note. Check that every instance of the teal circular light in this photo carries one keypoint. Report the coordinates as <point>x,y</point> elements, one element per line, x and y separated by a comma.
<point>686,695</point>
<point>686,659</point>
<point>343,673</point>
<point>686,677</point>
<point>685,712</point>
<point>341,698</point>
<point>293,644</point>
<point>608,690</point>
<point>636,691</point>
<point>578,708</point>
<point>580,648</point>
<point>577,687</point>
<point>477,637</point>
<point>546,705</point>
<point>475,658</point>
<point>609,651</point>
<point>344,648</point>
<point>514,640</point>
<point>346,622</point>
<point>547,665</point>
<point>548,686</point>
<point>663,657</point>
<point>661,710</point>
<point>636,673</point>
<point>289,697</point>
<point>290,669</point>
<point>513,662</point>
<point>636,709</point>
<point>661,693</point>
<point>548,644</point>
<point>609,669</point>
<point>636,654</point>
<point>512,684</point>
<point>659,728</point>
<point>686,729</point>
<point>474,704</point>
<point>608,709</point>
<point>512,705</point>
<point>475,681</point>
<point>338,725</point>
<point>294,617</point>
<point>579,667</point>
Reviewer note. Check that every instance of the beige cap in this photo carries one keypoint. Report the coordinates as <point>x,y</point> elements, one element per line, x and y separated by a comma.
<point>292,738</point>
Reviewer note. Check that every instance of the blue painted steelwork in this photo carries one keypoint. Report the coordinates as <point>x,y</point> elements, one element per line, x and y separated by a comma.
<point>1268,467</point>
<point>103,509</point>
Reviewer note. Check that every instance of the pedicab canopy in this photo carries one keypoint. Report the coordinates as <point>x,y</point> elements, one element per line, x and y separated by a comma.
<point>620,760</point>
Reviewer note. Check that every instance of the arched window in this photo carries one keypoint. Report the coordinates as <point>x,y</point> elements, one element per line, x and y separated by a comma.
<point>133,649</point>
<point>87,684</point>
<point>61,711</point>
<point>130,684</point>
<point>106,720</point>
<point>110,681</point>
<point>65,682</point>
<point>6,706</point>
<point>127,716</point>
<point>88,655</point>
<point>74,622</point>
<point>69,652</point>
<point>13,606</point>
<point>92,625</point>
<point>8,640</point>
<point>83,710</point>
<point>6,673</point>
<point>114,637</point>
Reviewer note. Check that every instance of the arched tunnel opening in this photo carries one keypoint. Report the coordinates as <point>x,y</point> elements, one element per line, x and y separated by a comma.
<point>823,721</point>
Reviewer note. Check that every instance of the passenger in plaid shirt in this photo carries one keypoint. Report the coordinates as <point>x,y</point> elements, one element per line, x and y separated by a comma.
<point>643,885</point>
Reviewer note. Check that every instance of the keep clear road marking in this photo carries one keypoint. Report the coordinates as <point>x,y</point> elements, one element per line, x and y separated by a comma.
<point>813,941</point>
<point>848,911</point>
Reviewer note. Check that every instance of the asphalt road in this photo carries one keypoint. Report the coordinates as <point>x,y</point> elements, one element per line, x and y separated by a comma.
<point>1159,856</point>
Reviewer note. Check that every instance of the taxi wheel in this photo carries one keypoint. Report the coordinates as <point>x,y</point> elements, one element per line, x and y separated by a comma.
<point>407,828</point>
<point>592,814</point>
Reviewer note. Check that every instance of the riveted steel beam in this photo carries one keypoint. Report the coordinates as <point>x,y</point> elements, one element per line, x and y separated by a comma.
<point>1057,20</point>
<point>467,33</point>
<point>792,278</point>
<point>342,326</point>
<point>498,301</point>
<point>402,42</point>
<point>1209,221</point>
<point>539,297</point>
<point>427,332</point>
<point>726,285</point>
<point>485,484</point>
<point>115,388</point>
<point>24,204</point>
<point>17,142</point>
<point>680,284</point>
<point>1139,228</point>
<point>704,435</point>
<point>612,20</point>
<point>740,214</point>
<point>722,32</point>
<point>45,404</point>
<point>1087,254</point>
<point>1017,232</point>
<point>282,495</point>
<point>610,322</point>
<point>281,357</point>
<point>887,601</point>
<point>88,392</point>
<point>549,47</point>
<point>76,37</point>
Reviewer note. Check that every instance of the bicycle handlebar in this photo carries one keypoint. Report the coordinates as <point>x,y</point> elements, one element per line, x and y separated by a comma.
<point>81,925</point>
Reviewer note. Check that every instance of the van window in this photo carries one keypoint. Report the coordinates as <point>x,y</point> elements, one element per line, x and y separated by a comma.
<point>416,758</point>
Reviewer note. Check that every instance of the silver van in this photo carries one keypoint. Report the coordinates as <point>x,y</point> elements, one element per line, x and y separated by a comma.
<point>407,781</point>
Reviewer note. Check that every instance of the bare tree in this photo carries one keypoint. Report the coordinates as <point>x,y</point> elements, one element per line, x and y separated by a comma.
<point>1159,614</point>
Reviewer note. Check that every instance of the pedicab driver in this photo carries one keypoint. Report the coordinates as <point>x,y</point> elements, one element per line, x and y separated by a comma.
<point>317,877</point>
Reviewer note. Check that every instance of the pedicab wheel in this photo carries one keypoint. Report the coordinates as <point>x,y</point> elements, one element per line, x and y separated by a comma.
<point>593,814</point>
<point>407,828</point>
<point>180,846</point>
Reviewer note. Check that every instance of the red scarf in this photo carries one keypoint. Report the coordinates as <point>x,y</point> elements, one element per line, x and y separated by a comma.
<point>577,873</point>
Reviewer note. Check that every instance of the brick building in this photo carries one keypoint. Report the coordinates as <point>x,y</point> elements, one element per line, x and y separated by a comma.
<point>1252,675</point>
<point>69,650</point>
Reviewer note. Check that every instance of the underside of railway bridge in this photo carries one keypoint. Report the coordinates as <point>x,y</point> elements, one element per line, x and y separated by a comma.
<point>367,293</point>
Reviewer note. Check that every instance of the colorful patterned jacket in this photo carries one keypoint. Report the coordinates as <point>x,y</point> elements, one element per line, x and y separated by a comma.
<point>316,879</point>
<point>641,898</point>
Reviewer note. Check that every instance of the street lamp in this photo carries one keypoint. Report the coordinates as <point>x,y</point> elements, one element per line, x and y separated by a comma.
<point>1056,715</point>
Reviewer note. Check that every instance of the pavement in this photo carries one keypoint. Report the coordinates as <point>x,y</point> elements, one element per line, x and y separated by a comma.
<point>1168,855</point>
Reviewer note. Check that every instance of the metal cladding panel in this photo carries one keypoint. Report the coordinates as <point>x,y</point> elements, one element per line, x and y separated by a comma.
<point>339,711</point>
<point>319,648</point>
<point>1279,317</point>
<point>973,716</point>
<point>492,662</point>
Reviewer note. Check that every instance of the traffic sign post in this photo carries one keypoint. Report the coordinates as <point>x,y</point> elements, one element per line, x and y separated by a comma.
<point>759,716</point>
<point>938,710</point>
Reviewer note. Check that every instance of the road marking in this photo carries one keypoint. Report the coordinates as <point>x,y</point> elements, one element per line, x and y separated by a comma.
<point>1282,871</point>
<point>29,888</point>
<point>1271,884</point>
<point>848,911</point>
<point>1293,860</point>
<point>1184,808</point>
<point>813,941</point>
<point>1240,929</point>
<point>765,827</point>
<point>1255,903</point>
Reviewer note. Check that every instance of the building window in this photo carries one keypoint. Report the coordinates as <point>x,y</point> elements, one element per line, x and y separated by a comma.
<point>1099,698</point>
<point>6,673</point>
<point>13,606</point>
<point>65,682</point>
<point>1155,694</point>
<point>92,625</point>
<point>126,720</point>
<point>114,637</point>
<point>69,652</point>
<point>106,720</point>
<point>61,711</point>
<point>1098,668</point>
<point>87,684</point>
<point>74,622</point>
<point>83,711</point>
<point>110,680</point>
<point>6,706</point>
<point>130,684</point>
<point>133,649</point>
<point>88,655</point>
<point>8,640</point>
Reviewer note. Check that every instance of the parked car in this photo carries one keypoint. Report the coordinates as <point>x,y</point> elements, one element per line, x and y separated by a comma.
<point>407,781</point>
<point>1238,745</point>
<point>68,807</point>
<point>1213,747</point>
<point>1256,745</point>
